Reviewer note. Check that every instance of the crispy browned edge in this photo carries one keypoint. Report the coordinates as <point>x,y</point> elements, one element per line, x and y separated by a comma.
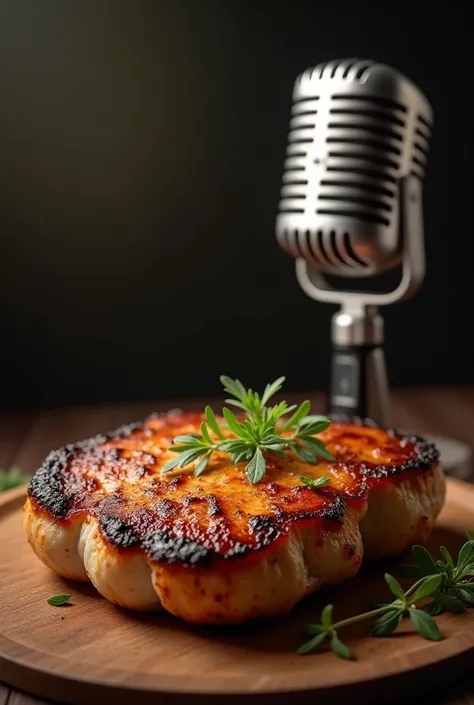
<point>45,490</point>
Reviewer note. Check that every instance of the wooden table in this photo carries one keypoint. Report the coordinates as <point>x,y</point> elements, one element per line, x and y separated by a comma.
<point>26,438</point>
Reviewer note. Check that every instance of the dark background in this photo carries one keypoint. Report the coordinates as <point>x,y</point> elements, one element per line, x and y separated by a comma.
<point>141,152</point>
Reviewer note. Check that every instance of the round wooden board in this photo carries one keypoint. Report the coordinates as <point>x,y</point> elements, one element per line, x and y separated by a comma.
<point>94,652</point>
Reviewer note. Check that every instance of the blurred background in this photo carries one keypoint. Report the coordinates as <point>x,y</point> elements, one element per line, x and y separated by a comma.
<point>141,153</point>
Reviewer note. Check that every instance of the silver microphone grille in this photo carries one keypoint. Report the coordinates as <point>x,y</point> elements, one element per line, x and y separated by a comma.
<point>358,127</point>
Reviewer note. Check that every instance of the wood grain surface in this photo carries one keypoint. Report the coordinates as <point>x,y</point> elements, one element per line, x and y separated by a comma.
<point>26,438</point>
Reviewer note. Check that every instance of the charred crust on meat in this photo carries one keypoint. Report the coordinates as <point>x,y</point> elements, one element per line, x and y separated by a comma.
<point>332,512</point>
<point>214,508</point>
<point>46,487</point>
<point>162,547</point>
<point>117,531</point>
<point>187,501</point>
<point>237,550</point>
<point>426,455</point>
<point>165,508</point>
<point>163,414</point>
<point>176,482</point>
<point>427,452</point>
<point>113,454</point>
<point>124,430</point>
<point>335,510</point>
<point>265,528</point>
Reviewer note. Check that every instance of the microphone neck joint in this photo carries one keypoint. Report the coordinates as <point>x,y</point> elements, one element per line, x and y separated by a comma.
<point>357,326</point>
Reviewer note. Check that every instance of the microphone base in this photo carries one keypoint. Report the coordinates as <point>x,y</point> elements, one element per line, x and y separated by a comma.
<point>455,456</point>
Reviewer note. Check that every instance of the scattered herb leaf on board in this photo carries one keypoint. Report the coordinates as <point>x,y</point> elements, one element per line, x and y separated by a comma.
<point>58,600</point>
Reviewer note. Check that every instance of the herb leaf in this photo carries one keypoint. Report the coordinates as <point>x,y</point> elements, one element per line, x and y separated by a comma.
<point>425,624</point>
<point>205,434</point>
<point>424,560</point>
<point>395,587</point>
<point>234,387</point>
<point>434,608</point>
<point>186,457</point>
<point>313,629</point>
<point>58,600</point>
<point>271,390</point>
<point>387,624</point>
<point>439,581</point>
<point>233,424</point>
<point>452,603</point>
<point>212,422</point>
<point>427,587</point>
<point>340,648</point>
<point>447,556</point>
<point>312,643</point>
<point>314,483</point>
<point>299,415</point>
<point>466,595</point>
<point>171,464</point>
<point>202,465</point>
<point>317,447</point>
<point>303,453</point>
<point>326,616</point>
<point>465,558</point>
<point>255,470</point>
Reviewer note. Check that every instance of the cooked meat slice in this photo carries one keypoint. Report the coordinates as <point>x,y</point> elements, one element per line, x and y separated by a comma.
<point>216,548</point>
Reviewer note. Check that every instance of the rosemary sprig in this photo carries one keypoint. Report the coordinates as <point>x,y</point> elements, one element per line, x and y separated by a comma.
<point>260,432</point>
<point>441,586</point>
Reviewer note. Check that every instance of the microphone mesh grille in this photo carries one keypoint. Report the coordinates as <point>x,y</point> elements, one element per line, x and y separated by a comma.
<point>357,127</point>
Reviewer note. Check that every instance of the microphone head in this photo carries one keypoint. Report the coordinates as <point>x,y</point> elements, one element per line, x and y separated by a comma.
<point>357,129</point>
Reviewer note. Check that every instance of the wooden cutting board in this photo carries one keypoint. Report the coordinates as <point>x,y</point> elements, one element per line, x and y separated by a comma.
<point>93,652</point>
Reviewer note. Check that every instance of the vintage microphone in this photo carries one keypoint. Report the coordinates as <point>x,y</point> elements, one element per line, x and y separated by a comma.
<point>351,208</point>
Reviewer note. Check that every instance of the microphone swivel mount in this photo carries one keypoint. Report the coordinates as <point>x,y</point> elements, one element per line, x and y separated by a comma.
<point>358,383</point>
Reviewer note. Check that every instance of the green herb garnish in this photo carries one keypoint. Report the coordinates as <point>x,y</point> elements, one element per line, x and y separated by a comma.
<point>314,483</point>
<point>58,600</point>
<point>258,433</point>
<point>442,586</point>
<point>11,478</point>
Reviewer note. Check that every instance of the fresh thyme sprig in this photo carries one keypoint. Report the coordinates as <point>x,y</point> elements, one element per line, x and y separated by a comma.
<point>260,432</point>
<point>446,585</point>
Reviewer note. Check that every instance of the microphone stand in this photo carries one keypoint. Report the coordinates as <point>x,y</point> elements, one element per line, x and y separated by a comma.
<point>358,382</point>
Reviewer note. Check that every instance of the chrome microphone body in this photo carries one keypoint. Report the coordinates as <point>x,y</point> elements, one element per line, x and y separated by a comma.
<point>351,207</point>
